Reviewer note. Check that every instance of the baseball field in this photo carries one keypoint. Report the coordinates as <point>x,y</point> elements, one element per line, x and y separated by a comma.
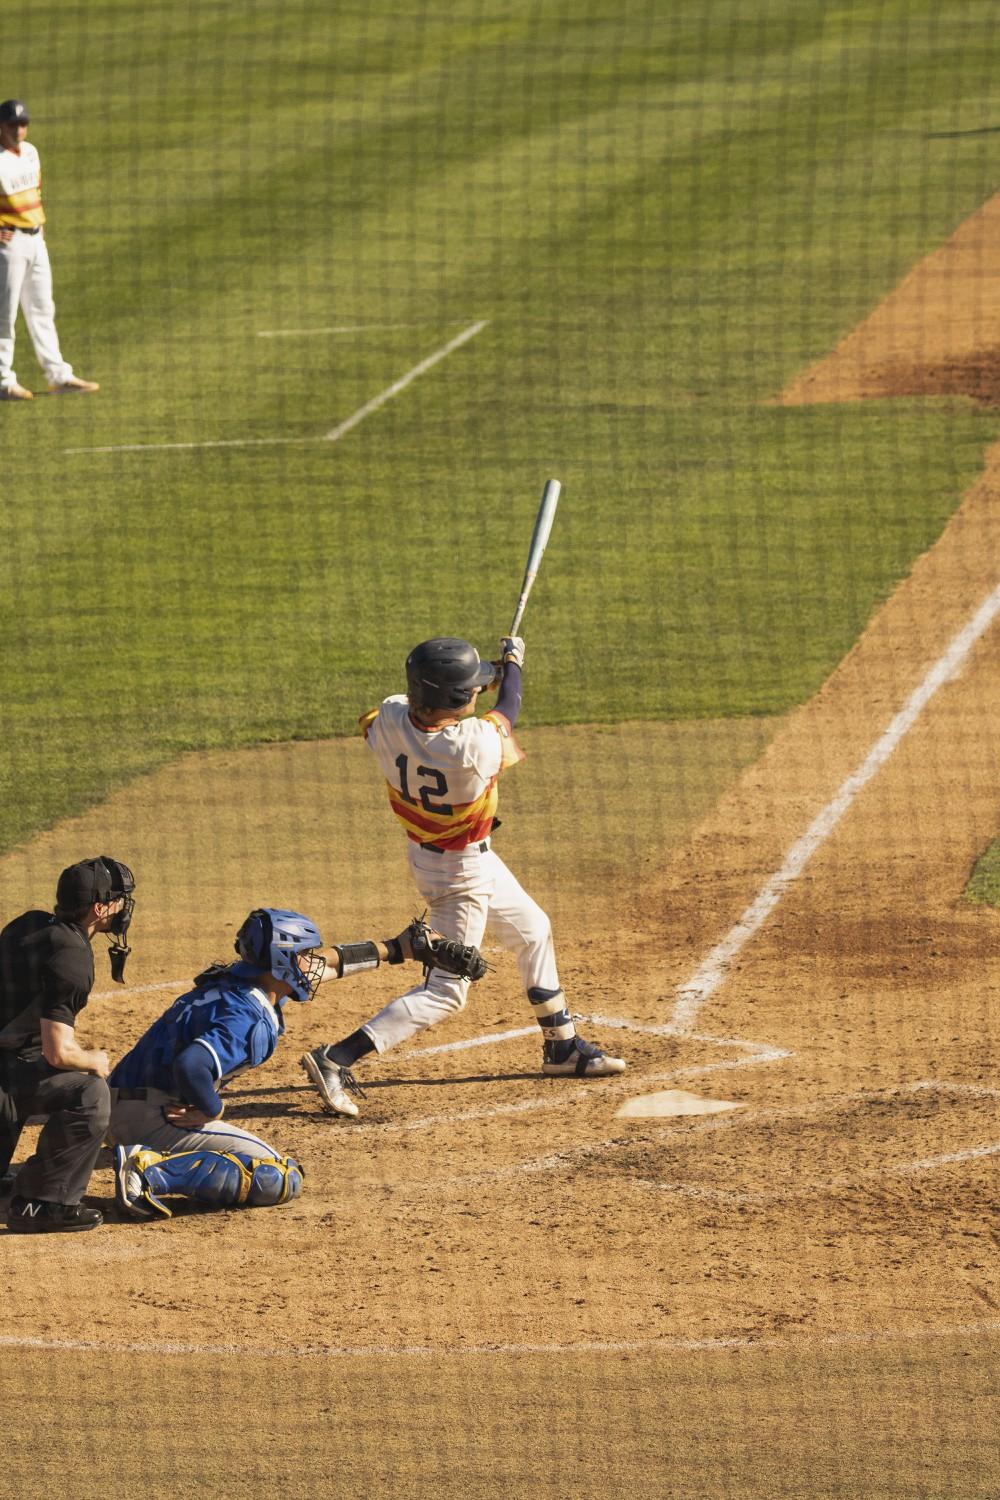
<point>355,280</point>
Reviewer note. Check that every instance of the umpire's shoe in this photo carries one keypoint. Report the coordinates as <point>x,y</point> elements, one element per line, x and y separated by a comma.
<point>332,1083</point>
<point>575,1058</point>
<point>36,1216</point>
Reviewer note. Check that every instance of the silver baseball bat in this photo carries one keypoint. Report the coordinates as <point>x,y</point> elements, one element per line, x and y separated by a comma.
<point>539,538</point>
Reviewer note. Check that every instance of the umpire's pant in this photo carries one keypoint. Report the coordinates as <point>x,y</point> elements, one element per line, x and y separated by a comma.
<point>77,1107</point>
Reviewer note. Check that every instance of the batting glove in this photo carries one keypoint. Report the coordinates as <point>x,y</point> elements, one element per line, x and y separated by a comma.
<point>512,649</point>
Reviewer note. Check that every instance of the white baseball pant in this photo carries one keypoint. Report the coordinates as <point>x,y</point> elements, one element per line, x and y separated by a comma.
<point>467,892</point>
<point>26,281</point>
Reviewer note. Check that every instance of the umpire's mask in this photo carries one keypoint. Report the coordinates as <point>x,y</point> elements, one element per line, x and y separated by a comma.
<point>122,885</point>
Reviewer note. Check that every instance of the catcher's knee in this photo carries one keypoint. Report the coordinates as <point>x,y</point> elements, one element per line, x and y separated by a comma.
<point>227,1179</point>
<point>274,1181</point>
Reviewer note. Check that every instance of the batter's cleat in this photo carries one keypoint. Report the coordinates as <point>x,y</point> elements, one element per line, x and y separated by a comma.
<point>74,384</point>
<point>576,1058</point>
<point>333,1083</point>
<point>36,1216</point>
<point>15,392</point>
<point>132,1195</point>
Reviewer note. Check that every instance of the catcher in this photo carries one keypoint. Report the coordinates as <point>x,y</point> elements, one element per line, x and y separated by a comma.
<point>441,763</point>
<point>166,1127</point>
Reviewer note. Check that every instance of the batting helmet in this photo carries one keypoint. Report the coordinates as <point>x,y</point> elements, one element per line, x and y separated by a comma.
<point>444,673</point>
<point>13,112</point>
<point>272,941</point>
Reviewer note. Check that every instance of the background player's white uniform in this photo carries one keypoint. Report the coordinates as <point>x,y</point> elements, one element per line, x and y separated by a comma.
<point>25,272</point>
<point>442,787</point>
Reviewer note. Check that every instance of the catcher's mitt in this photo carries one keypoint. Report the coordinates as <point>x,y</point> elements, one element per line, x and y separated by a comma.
<point>444,953</point>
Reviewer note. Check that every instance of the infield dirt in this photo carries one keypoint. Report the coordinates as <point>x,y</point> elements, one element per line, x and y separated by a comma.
<point>493,1286</point>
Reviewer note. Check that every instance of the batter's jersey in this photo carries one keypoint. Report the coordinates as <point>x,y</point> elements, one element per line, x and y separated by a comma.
<point>21,188</point>
<point>230,1017</point>
<point>442,783</point>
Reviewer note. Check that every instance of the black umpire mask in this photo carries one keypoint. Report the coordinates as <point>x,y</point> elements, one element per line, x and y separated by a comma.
<point>122,884</point>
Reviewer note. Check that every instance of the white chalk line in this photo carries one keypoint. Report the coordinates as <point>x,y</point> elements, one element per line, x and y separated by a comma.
<point>612,1023</point>
<point>309,333</point>
<point>335,433</point>
<point>338,432</point>
<point>691,1129</point>
<point>690,997</point>
<point>677,1345</point>
<point>853,1183</point>
<point>581,1091</point>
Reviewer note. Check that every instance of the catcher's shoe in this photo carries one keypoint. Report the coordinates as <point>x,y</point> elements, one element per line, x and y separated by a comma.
<point>74,385</point>
<point>332,1083</point>
<point>15,392</point>
<point>132,1195</point>
<point>577,1058</point>
<point>37,1216</point>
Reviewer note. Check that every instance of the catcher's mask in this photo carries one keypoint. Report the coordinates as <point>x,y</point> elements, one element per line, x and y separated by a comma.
<point>275,941</point>
<point>445,673</point>
<point>102,880</point>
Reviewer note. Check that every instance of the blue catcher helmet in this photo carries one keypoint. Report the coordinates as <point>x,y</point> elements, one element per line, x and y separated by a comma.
<point>273,941</point>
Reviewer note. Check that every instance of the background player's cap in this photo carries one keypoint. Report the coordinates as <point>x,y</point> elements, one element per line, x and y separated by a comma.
<point>14,112</point>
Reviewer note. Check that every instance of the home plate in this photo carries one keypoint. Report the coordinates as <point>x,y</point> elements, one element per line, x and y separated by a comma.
<point>672,1102</point>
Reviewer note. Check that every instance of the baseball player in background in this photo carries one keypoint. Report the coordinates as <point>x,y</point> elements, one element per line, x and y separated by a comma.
<point>25,273</point>
<point>441,763</point>
<point>166,1107</point>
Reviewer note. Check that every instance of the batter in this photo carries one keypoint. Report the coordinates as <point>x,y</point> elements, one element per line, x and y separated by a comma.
<point>441,764</point>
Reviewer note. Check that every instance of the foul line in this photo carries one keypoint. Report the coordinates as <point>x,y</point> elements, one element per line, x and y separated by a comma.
<point>677,1345</point>
<point>335,433</point>
<point>712,971</point>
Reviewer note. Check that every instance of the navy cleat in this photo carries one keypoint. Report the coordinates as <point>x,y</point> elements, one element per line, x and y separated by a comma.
<point>575,1058</point>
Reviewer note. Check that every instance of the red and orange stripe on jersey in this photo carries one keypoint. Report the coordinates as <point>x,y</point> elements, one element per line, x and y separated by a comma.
<point>458,824</point>
<point>452,830</point>
<point>21,188</point>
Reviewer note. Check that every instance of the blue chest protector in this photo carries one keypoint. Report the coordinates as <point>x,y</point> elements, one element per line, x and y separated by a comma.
<point>225,1014</point>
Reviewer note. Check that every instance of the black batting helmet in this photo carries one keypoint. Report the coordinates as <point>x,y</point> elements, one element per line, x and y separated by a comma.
<point>444,673</point>
<point>14,112</point>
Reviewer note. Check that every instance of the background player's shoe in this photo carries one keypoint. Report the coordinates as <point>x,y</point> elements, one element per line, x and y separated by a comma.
<point>132,1196</point>
<point>332,1083</point>
<point>74,383</point>
<point>577,1058</point>
<point>36,1216</point>
<point>15,392</point>
<point>7,1182</point>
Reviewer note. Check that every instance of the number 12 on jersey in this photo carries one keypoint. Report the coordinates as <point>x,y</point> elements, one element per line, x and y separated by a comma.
<point>435,785</point>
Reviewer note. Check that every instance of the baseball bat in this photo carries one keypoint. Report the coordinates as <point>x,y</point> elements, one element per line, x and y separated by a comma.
<point>539,538</point>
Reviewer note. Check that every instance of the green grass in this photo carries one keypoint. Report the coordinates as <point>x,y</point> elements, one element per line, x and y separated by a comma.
<point>983,888</point>
<point>664,209</point>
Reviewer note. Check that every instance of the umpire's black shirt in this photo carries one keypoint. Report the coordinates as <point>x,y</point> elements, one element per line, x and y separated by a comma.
<point>46,974</point>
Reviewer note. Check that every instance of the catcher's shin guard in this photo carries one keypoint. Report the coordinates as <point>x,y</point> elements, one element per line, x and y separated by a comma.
<point>226,1179</point>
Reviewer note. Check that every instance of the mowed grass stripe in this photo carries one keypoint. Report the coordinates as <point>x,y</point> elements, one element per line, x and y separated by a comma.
<point>663,214</point>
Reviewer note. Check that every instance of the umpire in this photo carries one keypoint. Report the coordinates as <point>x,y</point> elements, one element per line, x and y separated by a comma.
<point>46,976</point>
